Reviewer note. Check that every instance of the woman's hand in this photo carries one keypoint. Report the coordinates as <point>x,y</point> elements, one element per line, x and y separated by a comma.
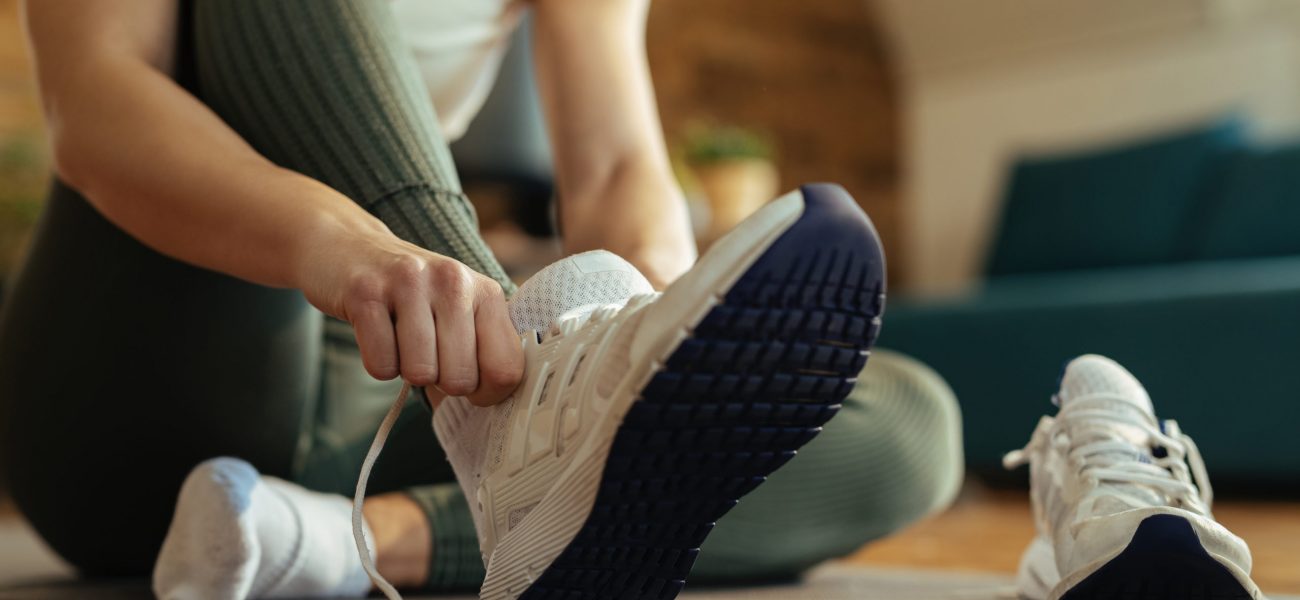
<point>420,315</point>
<point>640,216</point>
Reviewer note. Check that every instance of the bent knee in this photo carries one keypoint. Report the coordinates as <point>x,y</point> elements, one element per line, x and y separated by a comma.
<point>912,415</point>
<point>889,458</point>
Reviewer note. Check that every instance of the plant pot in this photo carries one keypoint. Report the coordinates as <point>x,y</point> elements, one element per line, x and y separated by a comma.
<point>734,189</point>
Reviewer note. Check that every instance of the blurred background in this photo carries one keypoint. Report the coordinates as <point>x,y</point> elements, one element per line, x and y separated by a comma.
<point>1050,177</point>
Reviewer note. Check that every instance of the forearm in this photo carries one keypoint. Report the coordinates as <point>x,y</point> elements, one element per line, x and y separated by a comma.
<point>160,165</point>
<point>616,186</point>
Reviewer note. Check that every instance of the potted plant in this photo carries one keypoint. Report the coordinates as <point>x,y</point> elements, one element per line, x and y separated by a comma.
<point>733,168</point>
<point>22,185</point>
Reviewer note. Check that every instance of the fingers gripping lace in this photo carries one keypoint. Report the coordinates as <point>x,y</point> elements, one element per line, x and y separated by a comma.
<point>358,522</point>
<point>563,326</point>
<point>1079,430</point>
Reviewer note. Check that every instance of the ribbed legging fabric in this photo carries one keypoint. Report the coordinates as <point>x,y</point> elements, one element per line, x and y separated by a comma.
<point>891,456</point>
<point>326,89</point>
<point>176,364</point>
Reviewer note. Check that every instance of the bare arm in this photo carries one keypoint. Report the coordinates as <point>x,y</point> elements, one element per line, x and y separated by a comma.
<point>159,164</point>
<point>156,161</point>
<point>616,185</point>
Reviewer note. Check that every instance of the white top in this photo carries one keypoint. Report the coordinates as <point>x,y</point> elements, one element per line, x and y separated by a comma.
<point>458,45</point>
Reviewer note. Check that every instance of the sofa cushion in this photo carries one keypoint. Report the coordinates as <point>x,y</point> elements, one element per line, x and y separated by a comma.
<point>1254,209</point>
<point>1213,341</point>
<point>1125,205</point>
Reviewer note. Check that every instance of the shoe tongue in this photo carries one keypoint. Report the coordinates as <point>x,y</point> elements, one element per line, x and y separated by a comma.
<point>575,286</point>
<point>1091,375</point>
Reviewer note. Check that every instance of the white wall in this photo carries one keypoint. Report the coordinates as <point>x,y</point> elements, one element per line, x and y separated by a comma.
<point>986,81</point>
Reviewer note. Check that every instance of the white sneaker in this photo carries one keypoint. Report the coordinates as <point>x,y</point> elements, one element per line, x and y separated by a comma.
<point>1122,501</point>
<point>642,421</point>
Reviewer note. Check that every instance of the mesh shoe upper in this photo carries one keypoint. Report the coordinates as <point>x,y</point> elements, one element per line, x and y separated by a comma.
<point>573,287</point>
<point>561,313</point>
<point>1104,462</point>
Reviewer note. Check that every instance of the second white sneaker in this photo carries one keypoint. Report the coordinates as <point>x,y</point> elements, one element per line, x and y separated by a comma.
<point>1122,501</point>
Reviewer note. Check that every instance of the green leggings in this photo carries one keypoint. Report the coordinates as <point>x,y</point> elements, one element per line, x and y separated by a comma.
<point>121,369</point>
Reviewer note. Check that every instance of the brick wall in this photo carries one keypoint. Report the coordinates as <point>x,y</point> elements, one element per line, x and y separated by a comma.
<point>812,73</point>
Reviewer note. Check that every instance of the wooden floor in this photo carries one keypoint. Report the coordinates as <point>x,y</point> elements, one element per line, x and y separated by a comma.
<point>987,530</point>
<point>984,532</point>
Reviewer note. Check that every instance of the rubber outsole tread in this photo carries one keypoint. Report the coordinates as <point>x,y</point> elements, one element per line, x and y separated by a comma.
<point>751,383</point>
<point>1164,561</point>
<point>767,419</point>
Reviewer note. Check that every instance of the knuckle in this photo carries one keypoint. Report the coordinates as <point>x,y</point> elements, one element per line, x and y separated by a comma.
<point>365,288</point>
<point>458,382</point>
<point>503,377</point>
<point>408,271</point>
<point>383,372</point>
<point>420,375</point>
<point>490,289</point>
<point>452,278</point>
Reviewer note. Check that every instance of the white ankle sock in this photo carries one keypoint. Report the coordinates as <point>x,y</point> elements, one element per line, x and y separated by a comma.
<point>237,534</point>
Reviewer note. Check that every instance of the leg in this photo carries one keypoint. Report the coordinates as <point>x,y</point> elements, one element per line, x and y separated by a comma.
<point>121,369</point>
<point>324,88</point>
<point>892,456</point>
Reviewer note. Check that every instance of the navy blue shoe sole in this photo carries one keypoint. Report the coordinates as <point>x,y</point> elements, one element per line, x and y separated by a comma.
<point>757,378</point>
<point>1164,561</point>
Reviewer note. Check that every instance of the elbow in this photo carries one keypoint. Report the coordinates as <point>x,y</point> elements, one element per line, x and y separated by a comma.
<point>69,159</point>
<point>78,168</point>
<point>65,164</point>
<point>67,148</point>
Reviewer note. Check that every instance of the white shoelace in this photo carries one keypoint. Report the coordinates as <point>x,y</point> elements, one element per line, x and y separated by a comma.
<point>358,521</point>
<point>1109,459</point>
<point>565,325</point>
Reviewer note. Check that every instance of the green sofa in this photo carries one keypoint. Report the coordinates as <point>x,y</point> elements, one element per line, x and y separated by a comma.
<point>1179,257</point>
